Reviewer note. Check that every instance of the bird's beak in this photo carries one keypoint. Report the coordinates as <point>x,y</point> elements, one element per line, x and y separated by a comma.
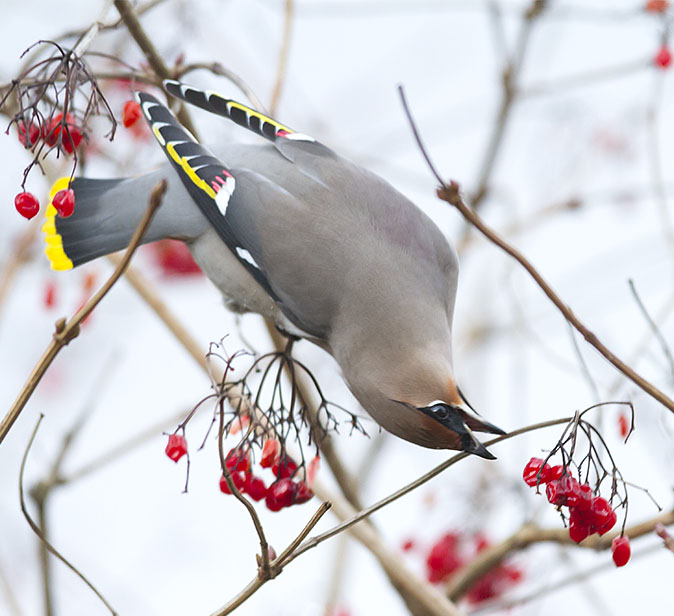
<point>473,420</point>
<point>478,449</point>
<point>477,423</point>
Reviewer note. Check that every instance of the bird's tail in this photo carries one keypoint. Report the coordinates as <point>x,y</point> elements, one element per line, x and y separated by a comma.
<point>86,234</point>
<point>107,213</point>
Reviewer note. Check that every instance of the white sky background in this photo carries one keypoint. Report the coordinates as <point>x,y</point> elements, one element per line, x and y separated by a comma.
<point>152,550</point>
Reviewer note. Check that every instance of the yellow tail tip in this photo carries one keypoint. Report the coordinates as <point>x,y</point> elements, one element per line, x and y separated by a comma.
<point>54,250</point>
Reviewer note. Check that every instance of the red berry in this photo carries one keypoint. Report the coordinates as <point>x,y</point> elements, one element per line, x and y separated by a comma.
<point>280,494</point>
<point>242,422</point>
<point>49,294</point>
<point>602,515</point>
<point>621,551</point>
<point>69,143</point>
<point>271,451</point>
<point>609,524</point>
<point>33,136</point>
<point>302,494</point>
<point>72,142</point>
<point>174,259</point>
<point>579,525</point>
<point>556,495</point>
<point>513,573</point>
<point>443,559</point>
<point>407,545</point>
<point>239,480</point>
<point>481,542</point>
<point>312,470</point>
<point>284,468</point>
<point>580,497</point>
<point>559,490</point>
<point>176,447</point>
<point>255,488</point>
<point>530,473</point>
<point>656,6</point>
<point>64,202</point>
<point>623,425</point>
<point>663,58</point>
<point>485,588</point>
<point>26,204</point>
<point>550,473</point>
<point>131,113</point>
<point>237,460</point>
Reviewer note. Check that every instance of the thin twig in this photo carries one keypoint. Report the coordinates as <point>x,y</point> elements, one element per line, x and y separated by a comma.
<point>344,478</point>
<point>68,330</point>
<point>361,515</point>
<point>654,328</point>
<point>264,546</point>
<point>283,56</point>
<point>37,531</point>
<point>585,369</point>
<point>320,512</point>
<point>509,92</point>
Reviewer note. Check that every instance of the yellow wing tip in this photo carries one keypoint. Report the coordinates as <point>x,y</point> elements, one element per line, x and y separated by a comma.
<point>58,259</point>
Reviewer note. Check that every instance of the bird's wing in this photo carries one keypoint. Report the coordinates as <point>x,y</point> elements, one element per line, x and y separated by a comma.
<point>208,181</point>
<point>296,147</point>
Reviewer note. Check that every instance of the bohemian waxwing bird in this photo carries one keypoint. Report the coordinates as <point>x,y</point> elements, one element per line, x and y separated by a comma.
<point>327,250</point>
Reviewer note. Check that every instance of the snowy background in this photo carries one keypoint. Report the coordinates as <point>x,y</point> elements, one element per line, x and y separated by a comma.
<point>601,141</point>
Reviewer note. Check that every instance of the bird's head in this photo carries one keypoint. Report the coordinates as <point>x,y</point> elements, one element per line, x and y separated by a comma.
<point>428,410</point>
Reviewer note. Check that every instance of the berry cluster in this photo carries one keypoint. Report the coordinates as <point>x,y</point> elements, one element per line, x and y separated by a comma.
<point>588,514</point>
<point>173,258</point>
<point>50,133</point>
<point>284,491</point>
<point>453,550</point>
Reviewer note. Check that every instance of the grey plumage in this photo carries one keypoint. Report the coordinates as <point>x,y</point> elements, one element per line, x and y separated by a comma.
<point>324,248</point>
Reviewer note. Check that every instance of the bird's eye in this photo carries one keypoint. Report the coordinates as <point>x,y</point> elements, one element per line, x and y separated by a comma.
<point>440,411</point>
